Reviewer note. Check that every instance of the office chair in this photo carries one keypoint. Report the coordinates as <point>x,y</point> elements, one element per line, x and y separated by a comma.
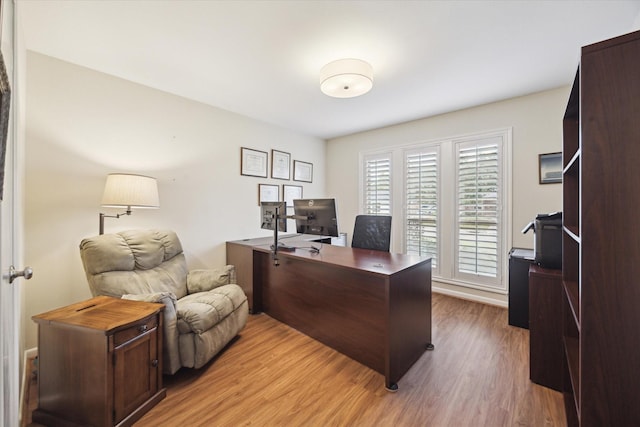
<point>372,232</point>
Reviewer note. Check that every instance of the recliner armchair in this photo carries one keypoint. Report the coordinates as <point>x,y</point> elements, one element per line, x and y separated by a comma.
<point>204,309</point>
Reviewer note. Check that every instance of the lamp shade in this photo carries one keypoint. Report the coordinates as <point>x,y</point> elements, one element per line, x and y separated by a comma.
<point>128,190</point>
<point>346,78</point>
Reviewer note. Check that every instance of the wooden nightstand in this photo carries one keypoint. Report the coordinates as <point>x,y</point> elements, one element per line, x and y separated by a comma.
<point>99,362</point>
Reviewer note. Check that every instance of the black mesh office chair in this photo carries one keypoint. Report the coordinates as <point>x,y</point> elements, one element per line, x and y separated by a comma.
<point>372,232</point>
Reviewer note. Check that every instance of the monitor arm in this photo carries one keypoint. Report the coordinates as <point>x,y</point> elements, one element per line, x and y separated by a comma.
<point>276,217</point>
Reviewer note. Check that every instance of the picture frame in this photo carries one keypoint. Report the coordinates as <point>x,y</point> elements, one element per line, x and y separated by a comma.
<point>268,193</point>
<point>280,165</point>
<point>253,162</point>
<point>550,168</point>
<point>302,171</point>
<point>291,192</point>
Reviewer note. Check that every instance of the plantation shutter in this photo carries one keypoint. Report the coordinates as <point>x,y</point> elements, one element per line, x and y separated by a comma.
<point>377,185</point>
<point>455,204</point>
<point>478,208</point>
<point>421,201</point>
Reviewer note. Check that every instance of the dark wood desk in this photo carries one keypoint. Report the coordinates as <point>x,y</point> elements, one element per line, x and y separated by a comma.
<point>372,306</point>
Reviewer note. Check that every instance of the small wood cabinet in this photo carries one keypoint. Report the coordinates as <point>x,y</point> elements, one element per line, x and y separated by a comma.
<point>99,362</point>
<point>546,352</point>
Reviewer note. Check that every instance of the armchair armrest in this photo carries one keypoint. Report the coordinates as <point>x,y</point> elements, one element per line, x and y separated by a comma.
<point>166,298</point>
<point>170,318</point>
<point>205,280</point>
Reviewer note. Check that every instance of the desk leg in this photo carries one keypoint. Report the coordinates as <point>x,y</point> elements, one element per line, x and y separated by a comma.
<point>392,387</point>
<point>409,321</point>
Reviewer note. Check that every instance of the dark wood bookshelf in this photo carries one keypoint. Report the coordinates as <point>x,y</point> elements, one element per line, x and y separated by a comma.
<point>601,244</point>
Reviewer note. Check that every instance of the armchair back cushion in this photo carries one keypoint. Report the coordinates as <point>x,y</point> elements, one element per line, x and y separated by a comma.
<point>155,255</point>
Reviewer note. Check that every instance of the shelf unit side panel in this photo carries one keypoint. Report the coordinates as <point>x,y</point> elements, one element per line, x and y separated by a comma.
<point>610,241</point>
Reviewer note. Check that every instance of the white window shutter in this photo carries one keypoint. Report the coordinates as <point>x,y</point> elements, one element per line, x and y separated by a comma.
<point>478,213</point>
<point>455,206</point>
<point>377,185</point>
<point>421,203</point>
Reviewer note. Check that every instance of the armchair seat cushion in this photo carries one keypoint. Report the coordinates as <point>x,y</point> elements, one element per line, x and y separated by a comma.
<point>201,311</point>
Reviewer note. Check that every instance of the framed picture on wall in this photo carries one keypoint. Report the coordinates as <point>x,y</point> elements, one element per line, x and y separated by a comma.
<point>550,168</point>
<point>268,193</point>
<point>280,165</point>
<point>253,162</point>
<point>291,192</point>
<point>302,171</point>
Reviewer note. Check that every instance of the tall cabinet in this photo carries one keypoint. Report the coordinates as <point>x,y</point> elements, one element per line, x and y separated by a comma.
<point>601,237</point>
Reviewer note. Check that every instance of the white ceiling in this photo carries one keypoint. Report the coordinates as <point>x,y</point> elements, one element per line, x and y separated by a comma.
<point>262,58</point>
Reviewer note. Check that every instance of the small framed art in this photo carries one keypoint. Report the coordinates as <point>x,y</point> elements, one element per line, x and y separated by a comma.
<point>302,171</point>
<point>253,162</point>
<point>280,165</point>
<point>291,192</point>
<point>550,168</point>
<point>268,193</point>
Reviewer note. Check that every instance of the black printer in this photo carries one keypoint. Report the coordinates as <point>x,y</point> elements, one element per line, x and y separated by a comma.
<point>547,244</point>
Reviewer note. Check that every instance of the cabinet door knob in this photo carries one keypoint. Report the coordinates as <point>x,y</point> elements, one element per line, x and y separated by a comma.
<point>154,363</point>
<point>143,328</point>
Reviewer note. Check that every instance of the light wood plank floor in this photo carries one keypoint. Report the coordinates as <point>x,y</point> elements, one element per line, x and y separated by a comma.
<point>272,375</point>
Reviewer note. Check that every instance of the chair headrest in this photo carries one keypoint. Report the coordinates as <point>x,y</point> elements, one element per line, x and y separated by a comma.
<point>129,250</point>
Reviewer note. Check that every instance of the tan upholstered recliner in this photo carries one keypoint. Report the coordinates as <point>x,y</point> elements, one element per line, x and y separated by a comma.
<point>204,309</point>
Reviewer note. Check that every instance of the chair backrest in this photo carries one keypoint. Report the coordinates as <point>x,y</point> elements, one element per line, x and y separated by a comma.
<point>372,232</point>
<point>135,262</point>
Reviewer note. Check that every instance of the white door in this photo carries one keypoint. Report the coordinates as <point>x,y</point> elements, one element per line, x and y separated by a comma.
<point>9,238</point>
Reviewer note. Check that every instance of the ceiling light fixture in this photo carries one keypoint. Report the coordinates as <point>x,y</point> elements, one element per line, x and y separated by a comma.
<point>346,78</point>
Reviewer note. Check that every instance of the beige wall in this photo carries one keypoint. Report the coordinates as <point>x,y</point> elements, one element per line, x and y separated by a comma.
<point>82,125</point>
<point>536,121</point>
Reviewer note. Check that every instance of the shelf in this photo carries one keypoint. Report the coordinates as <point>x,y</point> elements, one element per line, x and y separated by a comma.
<point>572,290</point>
<point>571,122</point>
<point>573,163</point>
<point>572,351</point>
<point>569,408</point>
<point>573,232</point>
<point>571,194</point>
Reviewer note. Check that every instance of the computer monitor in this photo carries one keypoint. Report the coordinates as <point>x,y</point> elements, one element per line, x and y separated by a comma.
<point>268,215</point>
<point>316,216</point>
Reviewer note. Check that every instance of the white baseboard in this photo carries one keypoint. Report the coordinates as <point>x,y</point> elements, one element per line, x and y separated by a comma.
<point>470,297</point>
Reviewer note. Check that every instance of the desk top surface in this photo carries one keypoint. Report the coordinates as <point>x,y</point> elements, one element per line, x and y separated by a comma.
<point>377,262</point>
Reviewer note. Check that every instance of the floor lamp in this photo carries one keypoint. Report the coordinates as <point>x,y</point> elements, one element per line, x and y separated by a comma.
<point>128,191</point>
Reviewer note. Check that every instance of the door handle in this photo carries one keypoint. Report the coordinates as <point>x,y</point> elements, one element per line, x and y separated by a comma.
<point>27,273</point>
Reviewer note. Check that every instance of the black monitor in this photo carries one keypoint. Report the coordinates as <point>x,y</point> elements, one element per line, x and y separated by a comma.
<point>268,215</point>
<point>316,216</point>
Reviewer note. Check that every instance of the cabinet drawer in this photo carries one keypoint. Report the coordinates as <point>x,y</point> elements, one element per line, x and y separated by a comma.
<point>137,329</point>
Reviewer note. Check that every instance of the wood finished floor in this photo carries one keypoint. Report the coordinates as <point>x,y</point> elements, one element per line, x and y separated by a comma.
<point>272,375</point>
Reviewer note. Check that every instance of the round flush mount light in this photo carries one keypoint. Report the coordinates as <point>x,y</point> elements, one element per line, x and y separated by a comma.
<point>346,78</point>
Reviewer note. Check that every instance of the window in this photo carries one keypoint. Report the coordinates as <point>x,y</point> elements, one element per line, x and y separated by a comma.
<point>377,184</point>
<point>421,203</point>
<point>478,213</point>
<point>453,208</point>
